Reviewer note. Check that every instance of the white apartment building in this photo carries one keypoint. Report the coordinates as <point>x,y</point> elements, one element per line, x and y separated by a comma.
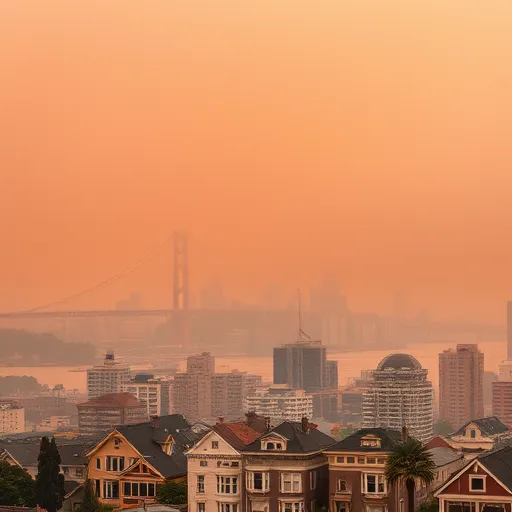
<point>280,403</point>
<point>12,417</point>
<point>154,393</point>
<point>110,377</point>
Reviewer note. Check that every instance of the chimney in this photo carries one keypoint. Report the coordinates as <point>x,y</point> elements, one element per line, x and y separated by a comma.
<point>305,425</point>
<point>404,434</point>
<point>221,419</point>
<point>155,420</point>
<point>267,424</point>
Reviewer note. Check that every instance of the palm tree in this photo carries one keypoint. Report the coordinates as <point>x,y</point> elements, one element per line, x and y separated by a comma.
<point>409,462</point>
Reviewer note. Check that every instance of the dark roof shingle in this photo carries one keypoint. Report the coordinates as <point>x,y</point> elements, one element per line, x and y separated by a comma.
<point>499,463</point>
<point>145,438</point>
<point>490,426</point>
<point>389,440</point>
<point>298,441</point>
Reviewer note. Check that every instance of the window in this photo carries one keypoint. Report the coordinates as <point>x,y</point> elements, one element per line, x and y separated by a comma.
<point>98,463</point>
<point>201,507</point>
<point>200,484</point>
<point>370,442</point>
<point>381,460</point>
<point>341,506</point>
<point>312,506</point>
<point>228,507</point>
<point>351,460</point>
<point>312,480</point>
<point>215,445</point>
<point>341,485</point>
<point>235,464</point>
<point>114,463</point>
<point>139,489</point>
<point>360,460</point>
<point>203,464</point>
<point>477,483</point>
<point>227,485</point>
<point>291,482</point>
<point>110,489</point>
<point>371,460</point>
<point>374,484</point>
<point>472,433</point>
<point>297,506</point>
<point>97,488</point>
<point>340,460</point>
<point>79,472</point>
<point>271,446</point>
<point>258,481</point>
<point>117,443</point>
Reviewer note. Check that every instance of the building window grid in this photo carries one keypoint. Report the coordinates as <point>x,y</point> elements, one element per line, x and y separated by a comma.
<point>227,484</point>
<point>291,482</point>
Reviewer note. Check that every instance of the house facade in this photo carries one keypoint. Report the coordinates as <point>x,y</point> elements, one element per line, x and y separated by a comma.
<point>482,485</point>
<point>129,464</point>
<point>357,480</point>
<point>286,470</point>
<point>478,436</point>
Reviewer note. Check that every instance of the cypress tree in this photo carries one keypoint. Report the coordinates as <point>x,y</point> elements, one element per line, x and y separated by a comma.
<point>49,479</point>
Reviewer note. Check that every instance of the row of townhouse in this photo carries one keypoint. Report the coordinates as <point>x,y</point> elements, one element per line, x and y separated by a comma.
<point>250,467</point>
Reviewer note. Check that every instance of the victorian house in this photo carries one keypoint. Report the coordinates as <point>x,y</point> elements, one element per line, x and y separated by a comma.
<point>215,469</point>
<point>286,470</point>
<point>128,465</point>
<point>357,480</point>
<point>482,485</point>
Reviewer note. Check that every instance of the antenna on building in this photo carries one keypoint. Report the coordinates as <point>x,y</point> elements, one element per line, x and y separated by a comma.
<point>301,333</point>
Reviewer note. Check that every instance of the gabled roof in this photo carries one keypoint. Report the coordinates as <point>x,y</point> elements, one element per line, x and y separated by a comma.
<point>389,440</point>
<point>497,463</point>
<point>298,441</point>
<point>442,456</point>
<point>146,438</point>
<point>25,453</point>
<point>490,426</point>
<point>113,400</point>
<point>237,434</point>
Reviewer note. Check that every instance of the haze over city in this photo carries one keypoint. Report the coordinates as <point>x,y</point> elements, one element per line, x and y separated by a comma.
<point>293,141</point>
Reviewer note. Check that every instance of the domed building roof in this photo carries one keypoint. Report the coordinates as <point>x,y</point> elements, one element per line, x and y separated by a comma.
<point>398,362</point>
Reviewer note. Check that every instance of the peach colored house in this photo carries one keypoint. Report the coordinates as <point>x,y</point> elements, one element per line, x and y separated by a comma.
<point>128,465</point>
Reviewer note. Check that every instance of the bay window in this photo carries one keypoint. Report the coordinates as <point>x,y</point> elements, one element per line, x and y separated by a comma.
<point>374,484</point>
<point>291,482</point>
<point>258,481</point>
<point>228,507</point>
<point>141,489</point>
<point>227,484</point>
<point>291,506</point>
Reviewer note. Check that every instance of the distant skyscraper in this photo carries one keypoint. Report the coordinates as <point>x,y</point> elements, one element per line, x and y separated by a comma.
<point>400,395</point>
<point>110,377</point>
<point>502,389</point>
<point>461,385</point>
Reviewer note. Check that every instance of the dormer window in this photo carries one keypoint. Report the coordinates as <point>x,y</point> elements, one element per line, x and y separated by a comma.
<point>370,442</point>
<point>271,445</point>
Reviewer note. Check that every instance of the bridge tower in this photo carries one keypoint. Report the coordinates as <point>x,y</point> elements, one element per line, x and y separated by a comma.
<point>180,303</point>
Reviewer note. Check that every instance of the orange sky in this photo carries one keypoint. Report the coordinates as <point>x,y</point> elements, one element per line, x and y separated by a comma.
<point>367,139</point>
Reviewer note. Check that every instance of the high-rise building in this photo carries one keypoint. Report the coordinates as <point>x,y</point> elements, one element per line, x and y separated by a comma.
<point>12,417</point>
<point>229,391</point>
<point>400,396</point>
<point>461,385</point>
<point>304,365</point>
<point>502,389</point>
<point>191,391</point>
<point>110,377</point>
<point>153,393</point>
<point>280,403</point>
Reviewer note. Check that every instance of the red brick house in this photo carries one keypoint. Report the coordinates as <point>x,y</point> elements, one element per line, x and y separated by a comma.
<point>483,485</point>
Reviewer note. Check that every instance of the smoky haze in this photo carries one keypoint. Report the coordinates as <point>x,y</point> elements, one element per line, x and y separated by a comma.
<point>364,140</point>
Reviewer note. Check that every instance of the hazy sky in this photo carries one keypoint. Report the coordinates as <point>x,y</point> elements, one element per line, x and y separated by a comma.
<point>367,139</point>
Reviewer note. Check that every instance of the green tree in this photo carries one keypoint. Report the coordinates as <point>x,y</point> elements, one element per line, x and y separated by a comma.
<point>442,428</point>
<point>172,493</point>
<point>410,462</point>
<point>90,502</point>
<point>340,432</point>
<point>49,479</point>
<point>16,486</point>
